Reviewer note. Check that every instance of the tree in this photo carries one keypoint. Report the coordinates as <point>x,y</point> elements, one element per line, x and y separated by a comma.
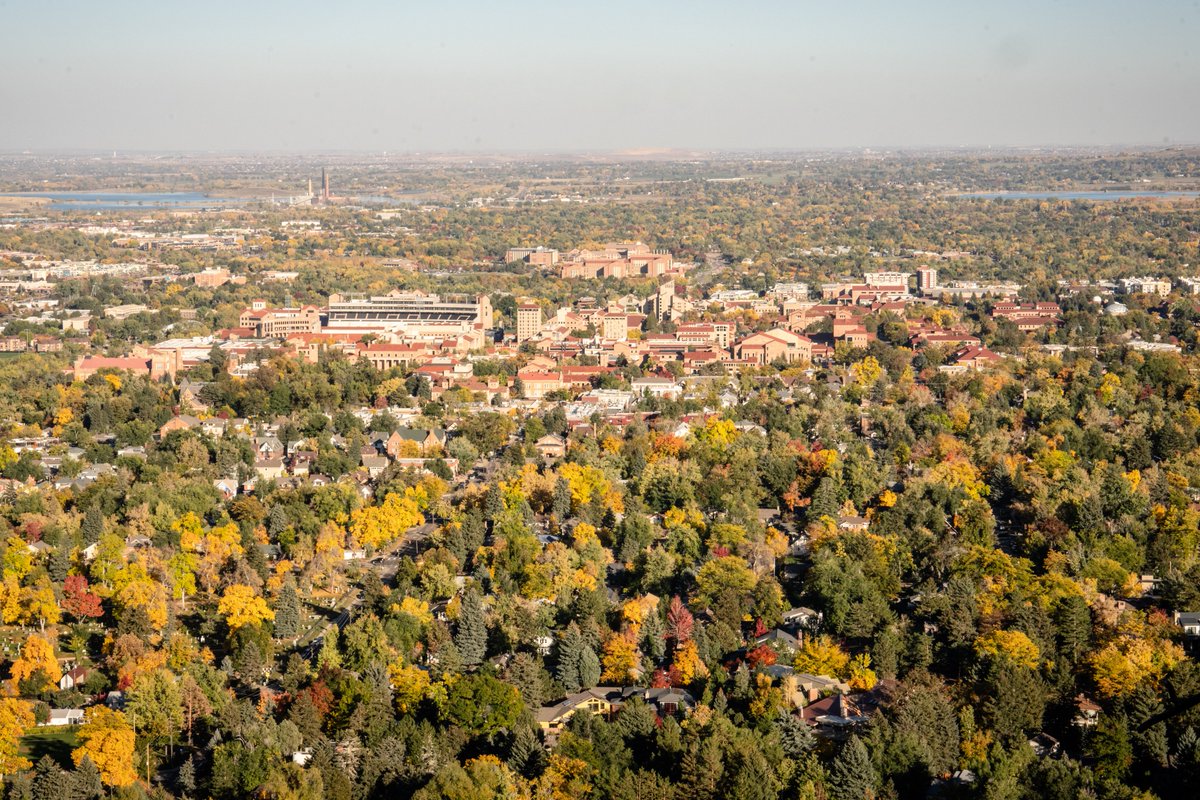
<point>86,783</point>
<point>589,668</point>
<point>562,499</point>
<point>92,527</point>
<point>155,704</point>
<point>820,655</point>
<point>37,663</point>
<point>570,651</point>
<point>78,600</point>
<point>482,704</point>
<point>287,612</point>
<point>15,717</point>
<point>241,606</point>
<point>728,573</point>
<point>852,775</point>
<point>795,736</point>
<point>49,781</point>
<point>679,622</point>
<point>193,703</point>
<point>108,740</point>
<point>619,660</point>
<point>471,636</point>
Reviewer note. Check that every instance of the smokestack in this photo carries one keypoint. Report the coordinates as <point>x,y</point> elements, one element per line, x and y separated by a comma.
<point>324,184</point>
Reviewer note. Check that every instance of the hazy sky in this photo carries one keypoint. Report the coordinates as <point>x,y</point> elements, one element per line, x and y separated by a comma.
<point>610,74</point>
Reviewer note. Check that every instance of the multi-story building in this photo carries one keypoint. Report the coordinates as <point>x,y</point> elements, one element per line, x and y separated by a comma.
<point>1146,285</point>
<point>534,256</point>
<point>926,279</point>
<point>529,321</point>
<point>1190,285</point>
<point>623,260</point>
<point>270,323</point>
<point>615,327</point>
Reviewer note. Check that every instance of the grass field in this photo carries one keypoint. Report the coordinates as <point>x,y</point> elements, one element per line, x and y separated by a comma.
<point>57,742</point>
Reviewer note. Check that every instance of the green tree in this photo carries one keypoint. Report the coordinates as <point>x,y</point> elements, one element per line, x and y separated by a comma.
<point>852,775</point>
<point>287,612</point>
<point>471,636</point>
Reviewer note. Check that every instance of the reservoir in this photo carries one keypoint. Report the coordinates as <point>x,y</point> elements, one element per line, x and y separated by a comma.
<point>116,201</point>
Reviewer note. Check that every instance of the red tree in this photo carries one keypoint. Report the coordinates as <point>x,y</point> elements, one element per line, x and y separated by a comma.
<point>679,622</point>
<point>78,600</point>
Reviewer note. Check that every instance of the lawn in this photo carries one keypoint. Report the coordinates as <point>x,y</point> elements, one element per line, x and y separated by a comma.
<point>57,742</point>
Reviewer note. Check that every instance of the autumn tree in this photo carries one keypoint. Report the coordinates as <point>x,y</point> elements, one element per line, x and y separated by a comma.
<point>241,606</point>
<point>108,740</point>
<point>37,665</point>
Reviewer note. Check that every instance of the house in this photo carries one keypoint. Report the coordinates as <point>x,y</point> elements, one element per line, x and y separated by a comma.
<point>551,446</point>
<point>269,469</point>
<point>181,422</point>
<point>189,395</point>
<point>65,716</point>
<point>848,522</point>
<point>780,639</point>
<point>228,487</point>
<point>799,618</point>
<point>72,678</point>
<point>607,701</point>
<point>375,465</point>
<point>1189,621</point>
<point>1087,712</point>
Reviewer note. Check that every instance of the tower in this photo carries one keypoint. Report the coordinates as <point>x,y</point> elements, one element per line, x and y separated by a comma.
<point>926,279</point>
<point>324,185</point>
<point>529,321</point>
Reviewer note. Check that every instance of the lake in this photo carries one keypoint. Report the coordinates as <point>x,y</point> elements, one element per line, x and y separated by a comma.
<point>1077,195</point>
<point>115,201</point>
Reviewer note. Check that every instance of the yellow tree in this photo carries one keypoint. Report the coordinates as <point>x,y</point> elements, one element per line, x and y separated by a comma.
<point>40,604</point>
<point>820,655</point>
<point>688,666</point>
<point>108,740</point>
<point>241,606</point>
<point>37,659</point>
<point>1013,646</point>
<point>15,716</point>
<point>10,599</point>
<point>619,659</point>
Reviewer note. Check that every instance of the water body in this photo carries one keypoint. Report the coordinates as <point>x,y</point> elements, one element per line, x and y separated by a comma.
<point>1068,195</point>
<point>116,201</point>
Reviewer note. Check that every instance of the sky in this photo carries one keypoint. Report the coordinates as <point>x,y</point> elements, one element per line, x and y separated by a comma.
<point>608,75</point>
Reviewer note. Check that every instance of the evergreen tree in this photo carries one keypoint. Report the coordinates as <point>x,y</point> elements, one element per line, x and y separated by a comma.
<point>49,781</point>
<point>526,755</point>
<point>60,562</point>
<point>825,500</point>
<point>471,636</point>
<point>1073,622</point>
<point>493,504</point>
<point>92,527</point>
<point>287,612</point>
<point>795,736</point>
<point>589,668</point>
<point>562,499</point>
<point>653,636</point>
<point>570,646</point>
<point>186,781</point>
<point>852,776</point>
<point>1150,745</point>
<point>277,520</point>
<point>701,769</point>
<point>85,783</point>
